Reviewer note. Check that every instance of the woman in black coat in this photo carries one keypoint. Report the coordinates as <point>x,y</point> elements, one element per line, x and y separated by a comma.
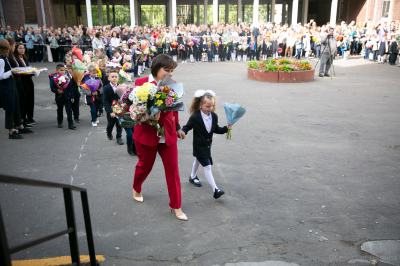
<point>393,52</point>
<point>9,100</point>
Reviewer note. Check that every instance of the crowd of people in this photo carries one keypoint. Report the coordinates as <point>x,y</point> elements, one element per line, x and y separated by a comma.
<point>235,41</point>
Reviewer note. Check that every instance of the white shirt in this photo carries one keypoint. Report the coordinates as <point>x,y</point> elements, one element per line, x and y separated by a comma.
<point>4,75</point>
<point>115,42</point>
<point>114,87</point>
<point>207,119</point>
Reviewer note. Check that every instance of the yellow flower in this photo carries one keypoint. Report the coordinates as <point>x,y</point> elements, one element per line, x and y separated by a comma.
<point>159,102</point>
<point>157,96</point>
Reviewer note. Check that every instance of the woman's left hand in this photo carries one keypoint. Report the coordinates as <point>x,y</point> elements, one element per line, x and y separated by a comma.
<point>229,126</point>
<point>181,134</point>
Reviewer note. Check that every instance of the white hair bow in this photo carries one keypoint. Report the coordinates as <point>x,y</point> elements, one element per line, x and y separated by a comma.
<point>200,93</point>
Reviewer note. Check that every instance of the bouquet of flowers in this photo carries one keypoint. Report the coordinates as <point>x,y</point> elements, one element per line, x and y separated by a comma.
<point>78,70</point>
<point>369,44</point>
<point>127,58</point>
<point>217,44</point>
<point>138,116</point>
<point>123,77</point>
<point>130,41</point>
<point>61,82</point>
<point>245,46</point>
<point>239,47</point>
<point>233,113</point>
<point>159,44</point>
<point>174,45</point>
<point>127,66</point>
<point>259,44</point>
<point>279,50</point>
<point>182,47</point>
<point>118,108</point>
<point>191,44</point>
<point>318,41</point>
<point>98,72</point>
<point>153,49</point>
<point>92,85</point>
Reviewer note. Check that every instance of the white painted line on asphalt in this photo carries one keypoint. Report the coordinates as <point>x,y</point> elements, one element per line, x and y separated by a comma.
<point>80,156</point>
<point>76,165</point>
<point>72,179</point>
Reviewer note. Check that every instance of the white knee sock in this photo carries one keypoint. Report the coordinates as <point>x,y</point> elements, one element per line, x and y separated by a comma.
<point>175,58</point>
<point>216,58</point>
<point>195,167</point>
<point>209,177</point>
<point>244,58</point>
<point>191,58</point>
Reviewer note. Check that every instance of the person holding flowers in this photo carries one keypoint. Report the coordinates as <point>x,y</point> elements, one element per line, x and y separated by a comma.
<point>148,142</point>
<point>93,89</point>
<point>204,122</point>
<point>109,95</point>
<point>64,95</point>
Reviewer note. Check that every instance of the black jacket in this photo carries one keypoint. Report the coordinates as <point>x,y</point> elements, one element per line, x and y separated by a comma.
<point>108,96</point>
<point>202,140</point>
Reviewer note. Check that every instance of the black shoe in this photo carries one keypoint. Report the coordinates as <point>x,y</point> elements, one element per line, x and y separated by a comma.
<point>195,181</point>
<point>100,115</point>
<point>321,76</point>
<point>119,141</point>
<point>31,122</point>
<point>130,151</point>
<point>327,75</point>
<point>24,131</point>
<point>218,193</point>
<point>60,125</point>
<point>26,126</point>
<point>77,120</point>
<point>15,135</point>
<point>71,126</point>
<point>109,136</point>
<point>134,150</point>
<point>136,76</point>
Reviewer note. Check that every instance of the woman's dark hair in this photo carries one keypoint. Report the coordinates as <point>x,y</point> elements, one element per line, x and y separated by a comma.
<point>162,61</point>
<point>4,48</point>
<point>98,34</point>
<point>16,54</point>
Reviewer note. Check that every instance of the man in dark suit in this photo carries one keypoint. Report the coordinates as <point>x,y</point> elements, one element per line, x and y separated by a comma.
<point>109,95</point>
<point>256,33</point>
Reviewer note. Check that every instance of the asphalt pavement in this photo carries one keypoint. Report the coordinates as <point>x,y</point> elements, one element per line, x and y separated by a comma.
<point>311,173</point>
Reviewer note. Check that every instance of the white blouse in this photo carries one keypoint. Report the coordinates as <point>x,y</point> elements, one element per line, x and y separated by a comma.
<point>4,75</point>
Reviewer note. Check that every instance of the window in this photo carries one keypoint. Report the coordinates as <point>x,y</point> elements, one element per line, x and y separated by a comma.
<point>341,10</point>
<point>385,8</point>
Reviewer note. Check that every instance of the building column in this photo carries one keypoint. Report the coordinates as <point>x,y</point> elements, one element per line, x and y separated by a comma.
<point>108,13</point>
<point>283,13</point>
<point>139,8</point>
<point>114,20</point>
<point>192,14</point>
<point>305,11</point>
<point>295,10</point>
<point>132,12</point>
<point>100,11</point>
<point>173,13</point>
<point>167,17</point>
<point>239,10</point>
<point>198,13</point>
<point>255,11</point>
<point>135,4</point>
<point>273,11</point>
<point>226,12</point>
<point>333,12</point>
<point>205,12</point>
<point>390,11</point>
<point>215,12</point>
<point>375,9</point>
<point>89,14</point>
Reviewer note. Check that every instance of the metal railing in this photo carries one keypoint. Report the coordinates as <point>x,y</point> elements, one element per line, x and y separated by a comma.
<point>6,251</point>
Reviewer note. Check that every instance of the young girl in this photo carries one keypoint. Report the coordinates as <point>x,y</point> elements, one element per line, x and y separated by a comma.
<point>204,123</point>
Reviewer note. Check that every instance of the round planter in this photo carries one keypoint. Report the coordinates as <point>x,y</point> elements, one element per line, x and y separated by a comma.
<point>280,76</point>
<point>296,76</point>
<point>261,75</point>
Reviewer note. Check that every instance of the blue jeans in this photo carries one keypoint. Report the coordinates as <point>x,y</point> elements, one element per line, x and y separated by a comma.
<point>94,109</point>
<point>129,137</point>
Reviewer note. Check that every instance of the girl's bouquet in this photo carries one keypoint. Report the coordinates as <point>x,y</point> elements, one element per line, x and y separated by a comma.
<point>279,50</point>
<point>153,49</point>
<point>191,44</point>
<point>61,82</point>
<point>92,85</point>
<point>239,47</point>
<point>138,116</point>
<point>216,45</point>
<point>98,72</point>
<point>78,70</point>
<point>259,44</point>
<point>174,45</point>
<point>233,113</point>
<point>123,77</point>
<point>182,47</point>
<point>127,66</point>
<point>118,108</point>
<point>245,46</point>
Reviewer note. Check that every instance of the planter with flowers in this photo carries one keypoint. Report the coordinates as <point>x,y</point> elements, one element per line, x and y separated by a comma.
<point>283,70</point>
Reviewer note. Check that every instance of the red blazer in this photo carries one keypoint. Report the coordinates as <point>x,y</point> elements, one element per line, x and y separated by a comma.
<point>146,134</point>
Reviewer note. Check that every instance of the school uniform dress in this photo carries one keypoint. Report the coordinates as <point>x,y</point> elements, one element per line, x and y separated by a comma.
<point>20,87</point>
<point>98,99</point>
<point>9,99</point>
<point>393,53</point>
<point>63,100</point>
<point>203,129</point>
<point>148,143</point>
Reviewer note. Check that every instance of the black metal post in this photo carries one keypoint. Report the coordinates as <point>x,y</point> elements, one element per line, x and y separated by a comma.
<point>5,258</point>
<point>88,227</point>
<point>73,236</point>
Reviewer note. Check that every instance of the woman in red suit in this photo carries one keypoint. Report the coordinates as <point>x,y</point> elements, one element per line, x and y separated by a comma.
<point>148,143</point>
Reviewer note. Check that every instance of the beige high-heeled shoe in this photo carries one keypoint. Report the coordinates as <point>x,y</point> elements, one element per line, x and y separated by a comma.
<point>181,216</point>
<point>137,198</point>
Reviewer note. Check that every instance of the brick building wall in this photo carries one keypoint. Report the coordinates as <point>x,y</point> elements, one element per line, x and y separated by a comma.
<point>14,14</point>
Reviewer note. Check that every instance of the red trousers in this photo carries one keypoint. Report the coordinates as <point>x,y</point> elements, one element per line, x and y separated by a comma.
<point>169,156</point>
